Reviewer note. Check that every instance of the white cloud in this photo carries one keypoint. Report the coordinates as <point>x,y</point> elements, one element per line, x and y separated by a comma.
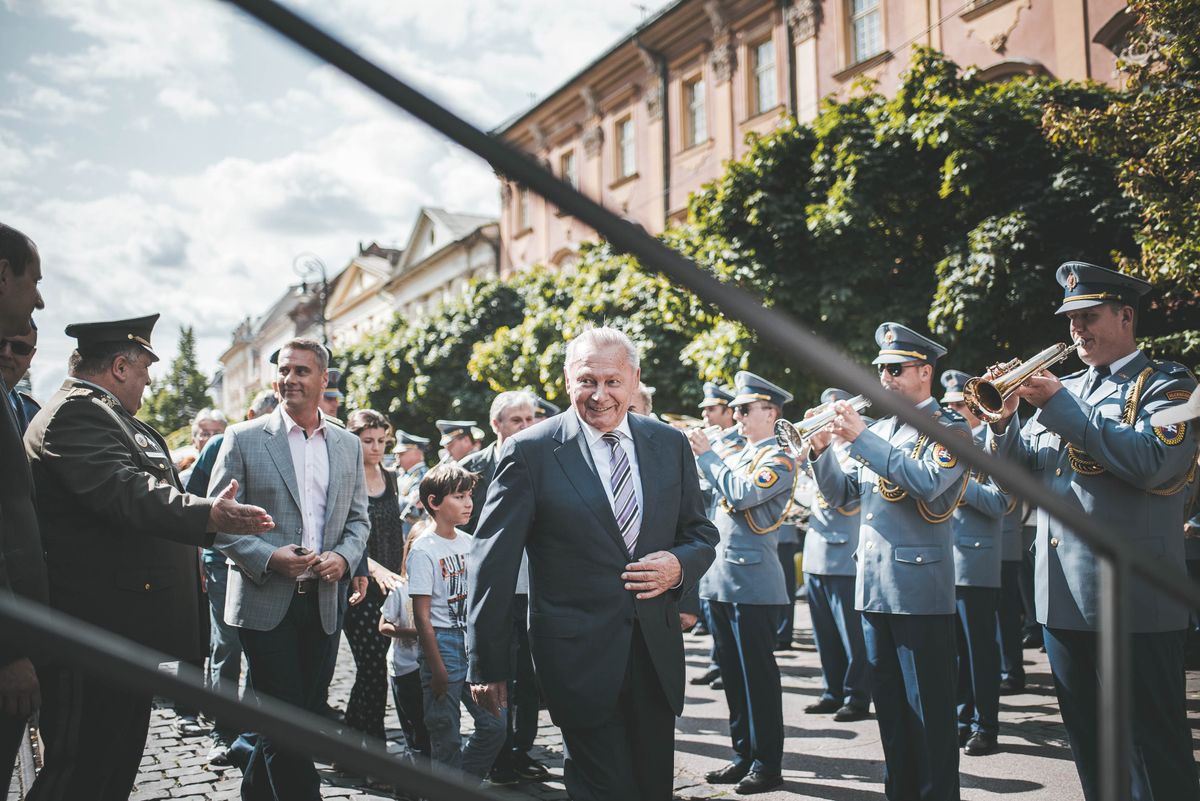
<point>139,39</point>
<point>187,102</point>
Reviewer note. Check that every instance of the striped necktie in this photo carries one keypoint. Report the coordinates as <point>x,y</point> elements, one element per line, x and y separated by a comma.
<point>625,506</point>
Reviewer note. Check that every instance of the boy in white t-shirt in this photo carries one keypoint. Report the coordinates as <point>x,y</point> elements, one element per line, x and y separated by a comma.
<point>396,621</point>
<point>437,584</point>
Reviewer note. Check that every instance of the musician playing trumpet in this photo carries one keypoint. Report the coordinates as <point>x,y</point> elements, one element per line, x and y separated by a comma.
<point>1093,444</point>
<point>909,487</point>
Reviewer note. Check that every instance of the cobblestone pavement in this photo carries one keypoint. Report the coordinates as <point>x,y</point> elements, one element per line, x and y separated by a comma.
<point>822,760</point>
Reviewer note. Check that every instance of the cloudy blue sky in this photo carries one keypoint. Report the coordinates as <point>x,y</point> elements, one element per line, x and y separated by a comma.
<point>175,156</point>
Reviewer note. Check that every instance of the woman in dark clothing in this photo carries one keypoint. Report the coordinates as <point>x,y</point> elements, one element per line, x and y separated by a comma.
<point>385,552</point>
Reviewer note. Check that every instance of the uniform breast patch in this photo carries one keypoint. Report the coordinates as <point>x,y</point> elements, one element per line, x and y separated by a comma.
<point>943,457</point>
<point>765,478</point>
<point>1172,434</point>
<point>141,440</point>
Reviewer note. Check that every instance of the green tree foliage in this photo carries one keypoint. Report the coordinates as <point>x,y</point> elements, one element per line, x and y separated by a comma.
<point>604,289</point>
<point>175,399</point>
<point>942,207</point>
<point>416,372</point>
<point>1151,132</point>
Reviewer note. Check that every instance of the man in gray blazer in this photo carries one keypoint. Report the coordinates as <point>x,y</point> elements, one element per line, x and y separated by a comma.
<point>284,588</point>
<point>608,507</point>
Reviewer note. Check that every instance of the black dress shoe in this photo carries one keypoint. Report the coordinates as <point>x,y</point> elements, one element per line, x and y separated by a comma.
<point>717,684</point>
<point>850,713</point>
<point>732,773</point>
<point>980,744</point>
<point>758,782</point>
<point>707,677</point>
<point>527,767</point>
<point>1032,639</point>
<point>1011,686</point>
<point>825,706</point>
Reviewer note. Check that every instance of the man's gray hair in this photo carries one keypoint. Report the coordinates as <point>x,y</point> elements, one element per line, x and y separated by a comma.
<point>264,402</point>
<point>311,345</point>
<point>209,416</point>
<point>600,338</point>
<point>508,400</point>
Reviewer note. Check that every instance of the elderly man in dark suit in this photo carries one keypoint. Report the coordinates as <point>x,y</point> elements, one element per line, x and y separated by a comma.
<point>608,507</point>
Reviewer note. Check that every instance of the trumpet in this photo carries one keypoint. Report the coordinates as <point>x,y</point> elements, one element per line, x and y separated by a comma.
<point>794,437</point>
<point>985,396</point>
<point>688,423</point>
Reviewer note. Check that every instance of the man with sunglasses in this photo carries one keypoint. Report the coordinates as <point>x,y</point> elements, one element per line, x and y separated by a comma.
<point>16,353</point>
<point>745,587</point>
<point>909,487</point>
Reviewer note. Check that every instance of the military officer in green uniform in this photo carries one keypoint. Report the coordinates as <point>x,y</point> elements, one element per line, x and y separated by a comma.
<point>119,534</point>
<point>1094,445</point>
<point>909,487</point>
<point>745,587</point>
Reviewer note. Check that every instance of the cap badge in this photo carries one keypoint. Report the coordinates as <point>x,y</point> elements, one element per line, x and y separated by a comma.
<point>889,337</point>
<point>1072,281</point>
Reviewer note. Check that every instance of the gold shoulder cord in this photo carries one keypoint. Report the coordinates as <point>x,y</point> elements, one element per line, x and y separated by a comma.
<point>1085,465</point>
<point>894,493</point>
<point>728,507</point>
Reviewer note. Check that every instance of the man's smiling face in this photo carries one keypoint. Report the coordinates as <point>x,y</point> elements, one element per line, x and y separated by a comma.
<point>601,383</point>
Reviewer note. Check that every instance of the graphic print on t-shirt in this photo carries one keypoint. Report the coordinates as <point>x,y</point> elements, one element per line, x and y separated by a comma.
<point>454,574</point>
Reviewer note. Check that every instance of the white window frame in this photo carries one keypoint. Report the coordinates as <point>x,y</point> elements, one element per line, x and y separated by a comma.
<point>763,79</point>
<point>695,111</point>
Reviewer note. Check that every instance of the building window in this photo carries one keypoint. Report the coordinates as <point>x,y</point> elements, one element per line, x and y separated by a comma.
<point>763,94</point>
<point>866,29</point>
<point>566,169</point>
<point>626,155</point>
<point>695,115</point>
<point>522,208</point>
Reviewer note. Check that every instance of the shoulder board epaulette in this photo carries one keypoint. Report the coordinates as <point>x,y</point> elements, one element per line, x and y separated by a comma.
<point>1172,368</point>
<point>79,392</point>
<point>950,417</point>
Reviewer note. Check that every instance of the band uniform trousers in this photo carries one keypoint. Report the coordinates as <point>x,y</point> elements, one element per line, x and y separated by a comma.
<point>912,682</point>
<point>1009,619</point>
<point>1163,766</point>
<point>787,618</point>
<point>978,660</point>
<point>94,734</point>
<point>631,755</point>
<point>745,635</point>
<point>838,635</point>
<point>288,665</point>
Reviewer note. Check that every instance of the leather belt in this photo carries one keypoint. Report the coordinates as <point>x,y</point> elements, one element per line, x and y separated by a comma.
<point>305,586</point>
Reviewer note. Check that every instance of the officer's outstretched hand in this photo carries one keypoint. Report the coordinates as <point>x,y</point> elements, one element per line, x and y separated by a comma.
<point>653,574</point>
<point>20,693</point>
<point>230,517</point>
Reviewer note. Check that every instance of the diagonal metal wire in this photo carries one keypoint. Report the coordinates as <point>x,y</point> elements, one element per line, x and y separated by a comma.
<point>771,325</point>
<point>61,639</point>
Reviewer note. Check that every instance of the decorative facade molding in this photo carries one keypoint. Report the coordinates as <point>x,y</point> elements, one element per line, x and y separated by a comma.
<point>653,96</point>
<point>723,60</point>
<point>593,140</point>
<point>803,19</point>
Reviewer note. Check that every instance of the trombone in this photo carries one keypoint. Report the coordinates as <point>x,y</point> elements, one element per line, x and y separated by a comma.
<point>794,437</point>
<point>985,396</point>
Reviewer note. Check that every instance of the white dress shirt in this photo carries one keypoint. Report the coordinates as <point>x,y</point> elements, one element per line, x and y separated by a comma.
<point>601,455</point>
<point>310,461</point>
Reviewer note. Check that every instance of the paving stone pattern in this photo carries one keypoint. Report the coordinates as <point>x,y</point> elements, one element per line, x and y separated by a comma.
<point>822,759</point>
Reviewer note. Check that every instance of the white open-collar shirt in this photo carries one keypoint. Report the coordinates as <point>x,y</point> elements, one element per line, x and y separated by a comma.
<point>310,461</point>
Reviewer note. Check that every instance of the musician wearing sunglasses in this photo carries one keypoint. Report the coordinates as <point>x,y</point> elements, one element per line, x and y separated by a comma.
<point>1092,443</point>
<point>16,352</point>
<point>909,487</point>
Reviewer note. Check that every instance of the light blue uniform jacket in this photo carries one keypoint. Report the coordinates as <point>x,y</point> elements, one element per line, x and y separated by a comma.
<point>978,529</point>
<point>747,568</point>
<point>832,537</point>
<point>1136,460</point>
<point>905,562</point>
